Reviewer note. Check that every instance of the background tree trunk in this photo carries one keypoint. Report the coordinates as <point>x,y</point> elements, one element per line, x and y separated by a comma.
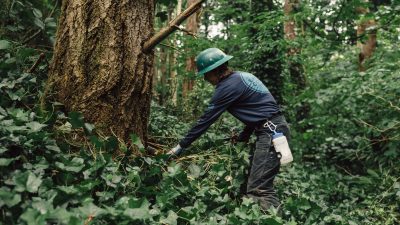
<point>296,71</point>
<point>192,26</point>
<point>98,67</point>
<point>163,76</point>
<point>174,62</point>
<point>267,62</point>
<point>368,46</point>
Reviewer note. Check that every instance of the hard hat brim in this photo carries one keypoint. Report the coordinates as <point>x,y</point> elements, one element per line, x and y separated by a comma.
<point>215,65</point>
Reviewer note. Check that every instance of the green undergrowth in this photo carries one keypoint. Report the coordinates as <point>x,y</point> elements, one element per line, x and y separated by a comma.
<point>55,169</point>
<point>44,180</point>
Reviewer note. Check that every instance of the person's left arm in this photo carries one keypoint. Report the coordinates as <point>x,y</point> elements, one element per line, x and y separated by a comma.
<point>221,100</point>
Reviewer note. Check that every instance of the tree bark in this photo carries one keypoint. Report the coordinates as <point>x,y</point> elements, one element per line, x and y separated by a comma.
<point>163,76</point>
<point>98,66</point>
<point>192,26</point>
<point>368,47</point>
<point>174,73</point>
<point>267,62</point>
<point>295,68</point>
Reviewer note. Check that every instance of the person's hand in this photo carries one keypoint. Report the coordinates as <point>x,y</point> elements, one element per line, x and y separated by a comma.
<point>175,151</point>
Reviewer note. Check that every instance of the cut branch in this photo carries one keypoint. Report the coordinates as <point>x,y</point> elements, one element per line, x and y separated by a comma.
<point>172,47</point>
<point>172,26</point>
<point>187,32</point>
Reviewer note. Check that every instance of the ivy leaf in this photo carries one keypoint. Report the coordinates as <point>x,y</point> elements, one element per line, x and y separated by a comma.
<point>271,221</point>
<point>111,143</point>
<point>140,211</point>
<point>35,126</point>
<point>90,209</point>
<point>19,180</point>
<point>33,183</point>
<point>98,144</point>
<point>60,214</point>
<point>171,219</point>
<point>53,148</point>
<point>75,165</point>
<point>174,170</point>
<point>17,95</point>
<point>88,127</point>
<point>4,44</point>
<point>6,162</point>
<point>194,170</point>
<point>9,198</point>
<point>19,114</point>
<point>68,189</point>
<point>33,217</point>
<point>136,141</point>
<point>42,205</point>
<point>76,120</point>
<point>3,111</point>
<point>241,213</point>
<point>3,149</point>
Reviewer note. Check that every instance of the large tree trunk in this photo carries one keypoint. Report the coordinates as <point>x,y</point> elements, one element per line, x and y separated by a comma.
<point>98,67</point>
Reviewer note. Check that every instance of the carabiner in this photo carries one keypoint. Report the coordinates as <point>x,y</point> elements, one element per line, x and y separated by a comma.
<point>271,126</point>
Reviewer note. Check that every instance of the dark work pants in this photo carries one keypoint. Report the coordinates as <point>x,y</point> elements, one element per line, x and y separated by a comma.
<point>265,165</point>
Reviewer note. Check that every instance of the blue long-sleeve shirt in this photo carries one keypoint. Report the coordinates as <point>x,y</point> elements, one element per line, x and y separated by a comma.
<point>244,96</point>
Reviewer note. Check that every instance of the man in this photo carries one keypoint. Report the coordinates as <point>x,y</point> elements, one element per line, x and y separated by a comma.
<point>247,99</point>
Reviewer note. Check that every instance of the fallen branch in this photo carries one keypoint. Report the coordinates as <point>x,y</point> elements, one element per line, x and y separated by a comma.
<point>32,36</point>
<point>38,61</point>
<point>172,26</point>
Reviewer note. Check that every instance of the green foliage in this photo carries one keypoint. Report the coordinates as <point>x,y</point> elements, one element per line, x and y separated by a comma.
<point>354,114</point>
<point>55,169</point>
<point>31,22</point>
<point>324,195</point>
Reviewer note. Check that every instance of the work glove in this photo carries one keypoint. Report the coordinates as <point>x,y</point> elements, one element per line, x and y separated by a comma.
<point>175,151</point>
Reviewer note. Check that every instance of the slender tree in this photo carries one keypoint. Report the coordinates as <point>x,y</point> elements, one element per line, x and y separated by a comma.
<point>296,71</point>
<point>192,26</point>
<point>265,55</point>
<point>163,59</point>
<point>173,61</point>
<point>367,45</point>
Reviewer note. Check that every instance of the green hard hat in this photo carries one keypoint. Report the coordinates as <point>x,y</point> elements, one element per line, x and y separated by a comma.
<point>210,59</point>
